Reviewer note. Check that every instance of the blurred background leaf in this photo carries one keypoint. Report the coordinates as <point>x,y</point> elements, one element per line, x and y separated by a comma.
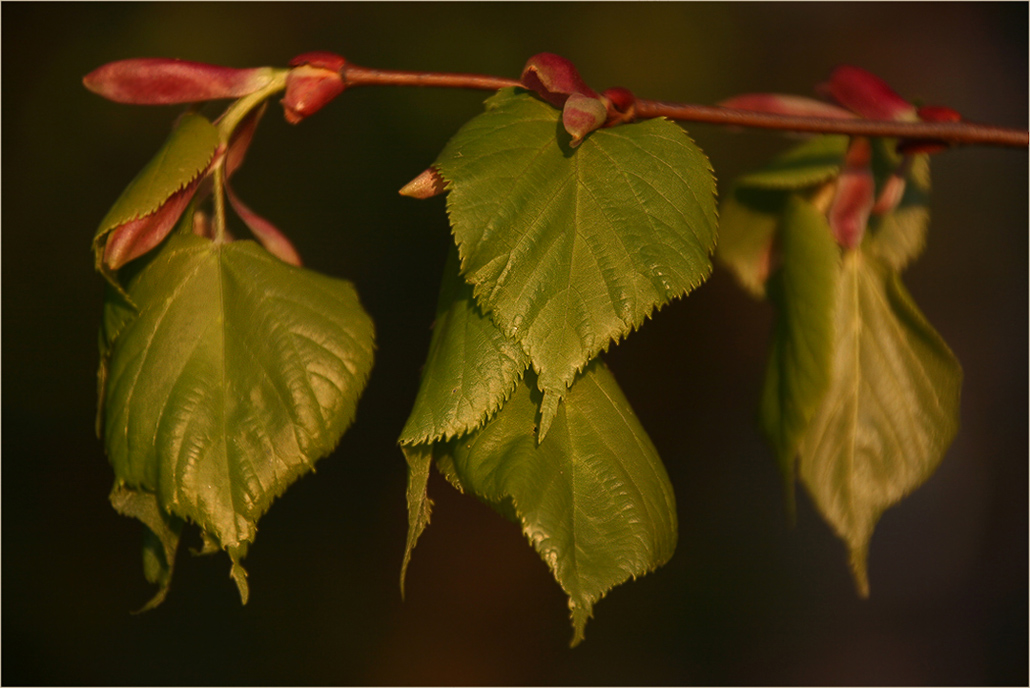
<point>744,599</point>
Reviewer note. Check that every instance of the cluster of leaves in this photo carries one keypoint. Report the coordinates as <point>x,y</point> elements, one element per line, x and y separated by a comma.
<point>562,251</point>
<point>227,370</point>
<point>861,395</point>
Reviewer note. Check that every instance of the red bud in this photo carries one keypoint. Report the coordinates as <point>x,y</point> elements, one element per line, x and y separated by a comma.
<point>309,88</point>
<point>320,58</point>
<point>938,113</point>
<point>622,99</point>
<point>554,78</point>
<point>866,94</point>
<point>163,81</point>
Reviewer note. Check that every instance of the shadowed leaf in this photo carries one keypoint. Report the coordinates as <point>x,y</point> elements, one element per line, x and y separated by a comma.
<point>890,412</point>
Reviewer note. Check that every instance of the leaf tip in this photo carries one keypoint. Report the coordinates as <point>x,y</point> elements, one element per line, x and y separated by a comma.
<point>548,409</point>
<point>860,569</point>
<point>580,614</point>
<point>238,573</point>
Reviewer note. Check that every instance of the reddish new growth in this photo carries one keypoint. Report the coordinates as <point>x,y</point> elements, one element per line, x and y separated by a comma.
<point>556,80</point>
<point>861,94</point>
<point>316,78</point>
<point>163,81</point>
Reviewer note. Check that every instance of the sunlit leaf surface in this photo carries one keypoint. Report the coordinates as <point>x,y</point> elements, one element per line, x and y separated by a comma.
<point>239,372</point>
<point>571,249</point>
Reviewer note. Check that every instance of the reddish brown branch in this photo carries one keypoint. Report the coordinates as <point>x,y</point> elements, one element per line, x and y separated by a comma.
<point>952,132</point>
<point>354,75</point>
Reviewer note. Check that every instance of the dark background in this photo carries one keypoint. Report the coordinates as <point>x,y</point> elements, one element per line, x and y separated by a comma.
<point>745,600</point>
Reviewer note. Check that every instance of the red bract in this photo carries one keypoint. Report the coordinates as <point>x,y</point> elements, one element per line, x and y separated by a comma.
<point>137,237</point>
<point>853,200</point>
<point>164,81</point>
<point>316,78</point>
<point>274,241</point>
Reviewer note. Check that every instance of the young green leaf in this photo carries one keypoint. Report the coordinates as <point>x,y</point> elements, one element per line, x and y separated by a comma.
<point>185,154</point>
<point>593,498</point>
<point>160,541</point>
<point>418,457</point>
<point>898,237</point>
<point>804,291</point>
<point>747,232</point>
<point>890,412</point>
<point>569,250</point>
<point>239,372</point>
<point>471,368</point>
<point>808,164</point>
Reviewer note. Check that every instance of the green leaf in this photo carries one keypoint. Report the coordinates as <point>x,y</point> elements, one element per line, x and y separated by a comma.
<point>471,368</point>
<point>185,154</point>
<point>239,372</point>
<point>160,541</point>
<point>804,291</point>
<point>568,249</point>
<point>418,457</point>
<point>898,237</point>
<point>813,162</point>
<point>747,232</point>
<point>890,412</point>
<point>593,498</point>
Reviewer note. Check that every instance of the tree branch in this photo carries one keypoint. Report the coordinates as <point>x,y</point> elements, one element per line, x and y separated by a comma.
<point>951,132</point>
<point>967,133</point>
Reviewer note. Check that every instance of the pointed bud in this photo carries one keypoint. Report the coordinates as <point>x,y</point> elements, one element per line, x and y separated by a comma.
<point>163,81</point>
<point>777,104</point>
<point>426,185</point>
<point>853,200</point>
<point>316,78</point>
<point>582,115</point>
<point>554,78</point>
<point>866,94</point>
